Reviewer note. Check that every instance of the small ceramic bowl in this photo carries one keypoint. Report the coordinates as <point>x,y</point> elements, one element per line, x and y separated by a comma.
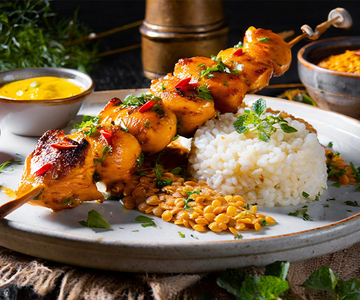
<point>34,117</point>
<point>336,91</point>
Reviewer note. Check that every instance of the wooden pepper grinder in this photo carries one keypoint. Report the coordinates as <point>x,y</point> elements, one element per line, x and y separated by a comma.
<point>175,29</point>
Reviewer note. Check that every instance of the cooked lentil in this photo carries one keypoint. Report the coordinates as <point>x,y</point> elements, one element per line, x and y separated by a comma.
<point>348,62</point>
<point>208,210</point>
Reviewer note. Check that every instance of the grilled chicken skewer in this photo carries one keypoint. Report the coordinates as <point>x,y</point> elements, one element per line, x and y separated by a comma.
<point>68,166</point>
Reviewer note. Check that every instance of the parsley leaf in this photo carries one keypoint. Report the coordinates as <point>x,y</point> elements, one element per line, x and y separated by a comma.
<point>147,222</point>
<point>95,220</point>
<point>252,121</point>
<point>204,93</point>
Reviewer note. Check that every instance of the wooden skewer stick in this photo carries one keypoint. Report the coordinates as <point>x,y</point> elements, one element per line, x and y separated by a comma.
<point>338,17</point>
<point>10,206</point>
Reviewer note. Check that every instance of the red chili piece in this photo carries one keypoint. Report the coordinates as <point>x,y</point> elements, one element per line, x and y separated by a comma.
<point>63,145</point>
<point>148,105</point>
<point>43,169</point>
<point>107,135</point>
<point>238,52</point>
<point>183,83</point>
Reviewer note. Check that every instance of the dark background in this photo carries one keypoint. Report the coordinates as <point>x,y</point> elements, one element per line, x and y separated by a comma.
<point>124,70</point>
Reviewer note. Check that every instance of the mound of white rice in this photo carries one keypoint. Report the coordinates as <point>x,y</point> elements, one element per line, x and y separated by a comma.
<point>266,174</point>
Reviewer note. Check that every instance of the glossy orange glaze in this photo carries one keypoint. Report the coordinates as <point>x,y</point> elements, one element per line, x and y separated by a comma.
<point>265,45</point>
<point>228,90</point>
<point>154,129</point>
<point>254,74</point>
<point>69,181</point>
<point>190,110</point>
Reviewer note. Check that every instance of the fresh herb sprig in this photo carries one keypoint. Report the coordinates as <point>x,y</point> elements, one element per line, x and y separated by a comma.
<point>31,35</point>
<point>253,121</point>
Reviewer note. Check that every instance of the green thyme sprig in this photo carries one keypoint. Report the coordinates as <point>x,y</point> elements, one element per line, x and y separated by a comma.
<point>253,121</point>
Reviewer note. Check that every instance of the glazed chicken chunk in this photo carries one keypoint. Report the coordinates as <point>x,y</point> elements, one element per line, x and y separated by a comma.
<point>64,168</point>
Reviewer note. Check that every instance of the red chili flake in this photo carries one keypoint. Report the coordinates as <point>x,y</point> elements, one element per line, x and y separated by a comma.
<point>107,135</point>
<point>43,169</point>
<point>238,52</point>
<point>148,105</point>
<point>63,145</point>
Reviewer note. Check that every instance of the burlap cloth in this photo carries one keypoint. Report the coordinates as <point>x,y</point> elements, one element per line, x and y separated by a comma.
<point>68,282</point>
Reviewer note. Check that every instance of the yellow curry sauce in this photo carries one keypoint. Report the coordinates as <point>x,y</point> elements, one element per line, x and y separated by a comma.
<point>40,88</point>
<point>348,62</point>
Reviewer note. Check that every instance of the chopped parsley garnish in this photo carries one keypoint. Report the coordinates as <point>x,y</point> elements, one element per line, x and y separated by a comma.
<point>137,101</point>
<point>175,137</point>
<point>331,199</point>
<point>204,93</point>
<point>305,195</point>
<point>146,221</point>
<point>162,183</point>
<point>239,45</point>
<point>330,145</point>
<point>181,234</point>
<point>355,171</point>
<point>68,201</point>
<point>252,122</point>
<point>351,203</point>
<point>88,125</point>
<point>176,171</point>
<point>163,88</point>
<point>349,210</point>
<point>95,220</point>
<point>263,222</point>
<point>304,213</point>
<point>264,39</point>
<point>140,160</point>
<point>238,237</point>
<point>336,184</point>
<point>188,199</point>
<point>225,83</point>
<point>219,67</point>
<point>326,205</point>
<point>106,149</point>
<point>147,124</point>
<point>194,237</point>
<point>8,164</point>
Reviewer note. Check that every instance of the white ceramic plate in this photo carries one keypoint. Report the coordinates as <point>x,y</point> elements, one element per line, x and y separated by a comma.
<point>128,246</point>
